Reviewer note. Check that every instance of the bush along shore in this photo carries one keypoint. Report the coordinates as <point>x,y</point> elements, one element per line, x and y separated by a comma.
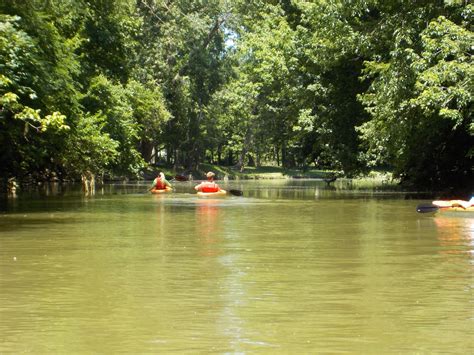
<point>373,180</point>
<point>271,173</point>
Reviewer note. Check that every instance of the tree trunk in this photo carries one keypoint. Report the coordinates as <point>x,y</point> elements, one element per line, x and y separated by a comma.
<point>230,158</point>
<point>219,154</point>
<point>176,159</point>
<point>258,158</point>
<point>146,148</point>
<point>169,155</point>
<point>251,160</point>
<point>194,137</point>
<point>244,151</point>
<point>284,157</point>
<point>211,150</point>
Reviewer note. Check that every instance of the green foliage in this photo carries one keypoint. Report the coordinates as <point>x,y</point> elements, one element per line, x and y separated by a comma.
<point>110,100</point>
<point>259,106</point>
<point>445,72</point>
<point>149,109</point>
<point>103,86</point>
<point>420,102</point>
<point>22,83</point>
<point>110,28</point>
<point>89,148</point>
<point>184,53</point>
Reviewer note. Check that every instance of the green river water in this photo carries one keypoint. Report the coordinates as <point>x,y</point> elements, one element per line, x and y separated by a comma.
<point>292,267</point>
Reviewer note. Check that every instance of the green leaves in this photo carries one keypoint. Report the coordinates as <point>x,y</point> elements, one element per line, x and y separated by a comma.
<point>422,92</point>
<point>446,77</point>
<point>344,85</point>
<point>32,117</point>
<point>89,148</point>
<point>110,101</point>
<point>17,53</point>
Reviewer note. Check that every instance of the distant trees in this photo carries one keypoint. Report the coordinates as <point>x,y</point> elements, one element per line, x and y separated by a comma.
<point>94,88</point>
<point>357,85</point>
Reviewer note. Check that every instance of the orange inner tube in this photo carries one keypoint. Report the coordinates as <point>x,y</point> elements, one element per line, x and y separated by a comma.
<point>159,191</point>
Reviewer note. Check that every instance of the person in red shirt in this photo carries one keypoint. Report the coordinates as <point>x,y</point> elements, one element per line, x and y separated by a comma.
<point>160,183</point>
<point>209,185</point>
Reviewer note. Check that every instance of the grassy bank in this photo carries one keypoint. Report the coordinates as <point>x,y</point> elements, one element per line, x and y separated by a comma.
<point>250,173</point>
<point>263,172</point>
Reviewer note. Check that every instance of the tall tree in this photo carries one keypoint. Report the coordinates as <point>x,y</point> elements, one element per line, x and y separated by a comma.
<point>36,89</point>
<point>185,41</point>
<point>420,97</point>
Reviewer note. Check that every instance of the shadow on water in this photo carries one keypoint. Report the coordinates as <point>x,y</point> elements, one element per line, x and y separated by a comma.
<point>71,196</point>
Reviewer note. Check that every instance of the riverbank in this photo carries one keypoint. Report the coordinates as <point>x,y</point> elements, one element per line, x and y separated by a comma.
<point>222,173</point>
<point>249,173</point>
<point>266,173</point>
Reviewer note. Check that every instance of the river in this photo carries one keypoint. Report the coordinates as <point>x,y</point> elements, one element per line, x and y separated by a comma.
<point>291,267</point>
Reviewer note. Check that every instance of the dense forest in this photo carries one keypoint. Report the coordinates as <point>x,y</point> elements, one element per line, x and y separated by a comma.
<point>108,87</point>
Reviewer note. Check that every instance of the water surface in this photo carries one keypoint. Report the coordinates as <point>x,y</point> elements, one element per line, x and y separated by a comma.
<point>291,267</point>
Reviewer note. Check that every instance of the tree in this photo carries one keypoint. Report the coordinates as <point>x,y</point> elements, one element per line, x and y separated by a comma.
<point>184,52</point>
<point>89,151</point>
<point>344,85</point>
<point>109,100</point>
<point>150,113</point>
<point>420,102</point>
<point>262,99</point>
<point>33,91</point>
<point>331,51</point>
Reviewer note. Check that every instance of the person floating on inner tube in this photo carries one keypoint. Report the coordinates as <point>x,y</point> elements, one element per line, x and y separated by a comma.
<point>209,185</point>
<point>160,183</point>
<point>455,203</point>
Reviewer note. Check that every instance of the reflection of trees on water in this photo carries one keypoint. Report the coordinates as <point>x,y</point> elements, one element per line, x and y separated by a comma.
<point>317,188</point>
<point>269,189</point>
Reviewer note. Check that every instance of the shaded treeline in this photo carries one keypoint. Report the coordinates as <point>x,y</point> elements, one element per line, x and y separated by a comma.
<point>105,87</point>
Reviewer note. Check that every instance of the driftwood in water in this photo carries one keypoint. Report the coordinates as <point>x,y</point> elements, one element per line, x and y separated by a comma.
<point>88,183</point>
<point>328,180</point>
